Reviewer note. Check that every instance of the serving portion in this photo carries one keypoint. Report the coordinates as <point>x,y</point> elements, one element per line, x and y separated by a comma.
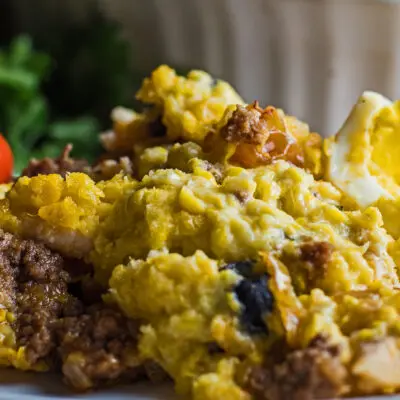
<point>216,243</point>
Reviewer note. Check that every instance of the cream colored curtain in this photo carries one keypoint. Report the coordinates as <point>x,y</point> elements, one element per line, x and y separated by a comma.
<point>311,57</point>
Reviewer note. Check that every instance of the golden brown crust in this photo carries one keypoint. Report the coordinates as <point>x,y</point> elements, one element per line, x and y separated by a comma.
<point>260,136</point>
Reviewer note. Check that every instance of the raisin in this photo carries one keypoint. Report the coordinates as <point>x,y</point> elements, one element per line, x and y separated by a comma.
<point>257,301</point>
<point>243,268</point>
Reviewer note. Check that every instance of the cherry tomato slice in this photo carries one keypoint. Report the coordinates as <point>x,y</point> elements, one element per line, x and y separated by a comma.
<point>6,161</point>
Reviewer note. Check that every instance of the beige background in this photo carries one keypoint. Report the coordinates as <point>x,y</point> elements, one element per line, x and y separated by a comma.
<point>311,57</point>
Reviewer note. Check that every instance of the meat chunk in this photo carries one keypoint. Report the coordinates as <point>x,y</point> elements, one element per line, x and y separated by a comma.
<point>308,374</point>
<point>8,273</point>
<point>261,136</point>
<point>61,165</point>
<point>317,256</point>
<point>91,344</point>
<point>245,125</point>
<point>33,287</point>
<point>98,346</point>
<point>105,168</point>
<point>317,253</point>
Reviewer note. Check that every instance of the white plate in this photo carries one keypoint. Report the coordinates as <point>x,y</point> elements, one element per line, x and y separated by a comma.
<point>15,385</point>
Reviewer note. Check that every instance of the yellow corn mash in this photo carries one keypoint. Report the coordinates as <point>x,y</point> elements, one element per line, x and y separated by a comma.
<point>165,243</point>
<point>4,188</point>
<point>189,106</point>
<point>63,213</point>
<point>10,353</point>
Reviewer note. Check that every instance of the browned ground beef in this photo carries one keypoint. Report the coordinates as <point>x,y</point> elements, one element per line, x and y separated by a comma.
<point>107,166</point>
<point>91,344</point>
<point>103,169</point>
<point>246,125</point>
<point>317,255</point>
<point>36,289</point>
<point>98,346</point>
<point>307,374</point>
<point>8,282</point>
<point>60,165</point>
<point>260,137</point>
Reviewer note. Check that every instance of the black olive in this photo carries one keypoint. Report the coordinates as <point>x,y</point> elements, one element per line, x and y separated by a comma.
<point>254,295</point>
<point>257,302</point>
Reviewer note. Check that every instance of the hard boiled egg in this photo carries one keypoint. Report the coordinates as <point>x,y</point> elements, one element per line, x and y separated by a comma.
<point>363,158</point>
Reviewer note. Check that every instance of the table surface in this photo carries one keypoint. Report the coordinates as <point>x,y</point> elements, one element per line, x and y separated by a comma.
<point>16,385</point>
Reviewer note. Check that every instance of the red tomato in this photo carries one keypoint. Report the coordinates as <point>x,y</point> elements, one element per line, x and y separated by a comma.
<point>6,161</point>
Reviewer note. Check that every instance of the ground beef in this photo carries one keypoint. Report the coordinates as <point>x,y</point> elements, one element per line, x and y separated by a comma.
<point>105,168</point>
<point>317,255</point>
<point>60,165</point>
<point>8,282</point>
<point>90,344</point>
<point>307,374</point>
<point>98,346</point>
<point>246,125</point>
<point>34,286</point>
<point>260,136</point>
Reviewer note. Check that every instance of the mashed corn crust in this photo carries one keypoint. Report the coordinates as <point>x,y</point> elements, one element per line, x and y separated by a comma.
<point>166,243</point>
<point>189,105</point>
